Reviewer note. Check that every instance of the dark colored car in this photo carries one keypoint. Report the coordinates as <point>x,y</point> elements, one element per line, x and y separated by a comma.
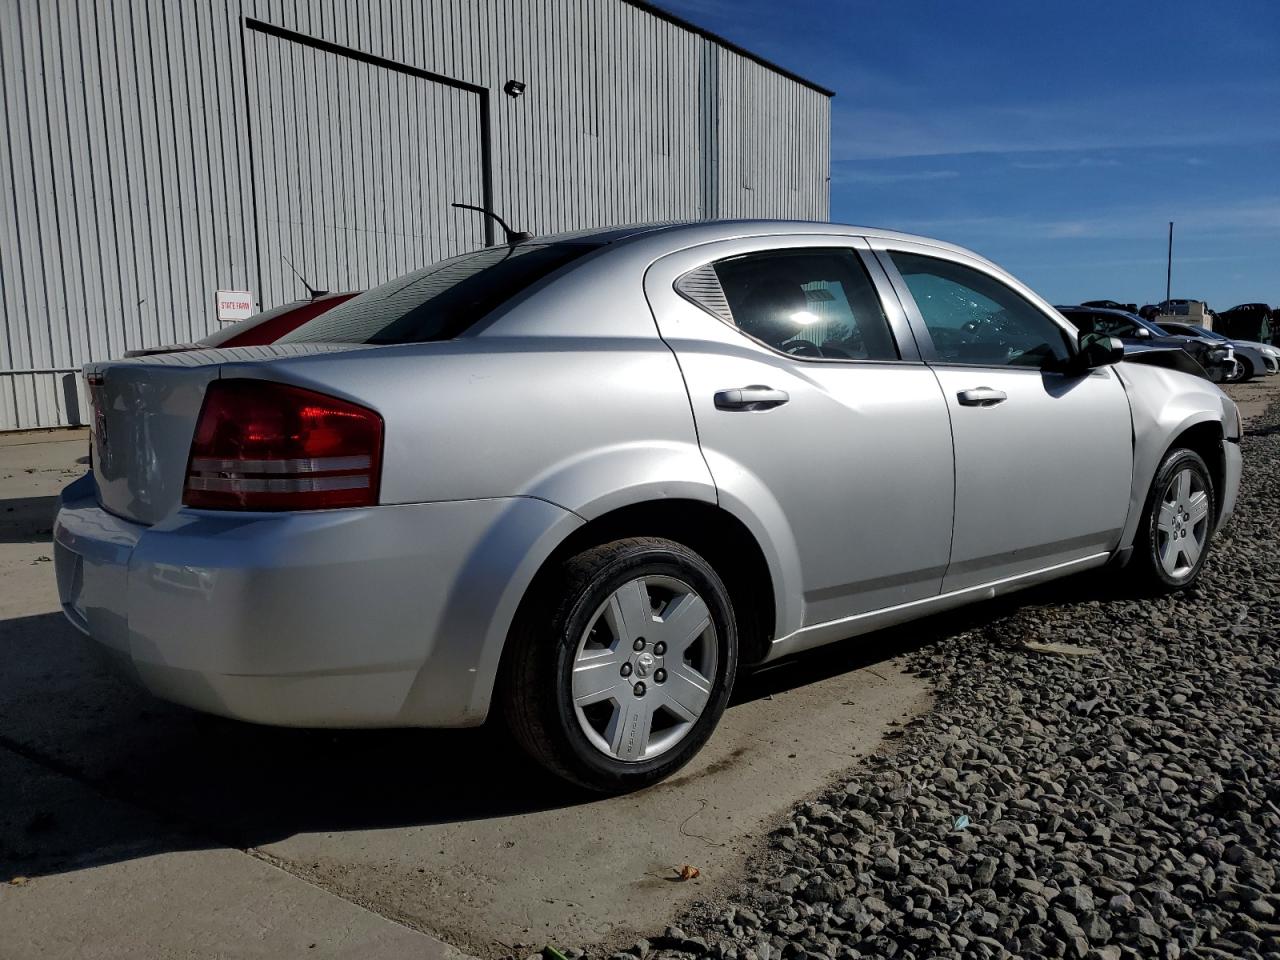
<point>1171,358</point>
<point>1111,305</point>
<point>1217,358</point>
<point>1248,321</point>
<point>262,328</point>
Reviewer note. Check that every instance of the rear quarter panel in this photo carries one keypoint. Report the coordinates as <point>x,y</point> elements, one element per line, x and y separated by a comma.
<point>590,415</point>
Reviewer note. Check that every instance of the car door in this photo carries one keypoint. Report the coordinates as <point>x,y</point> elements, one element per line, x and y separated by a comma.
<point>1043,458</point>
<point>816,416</point>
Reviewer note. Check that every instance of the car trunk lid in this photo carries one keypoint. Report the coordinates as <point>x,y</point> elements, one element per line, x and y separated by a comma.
<point>144,413</point>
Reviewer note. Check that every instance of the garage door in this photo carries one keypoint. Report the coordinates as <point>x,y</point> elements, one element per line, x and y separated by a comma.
<point>356,164</point>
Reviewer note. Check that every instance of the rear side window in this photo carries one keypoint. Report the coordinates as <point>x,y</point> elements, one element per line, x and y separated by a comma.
<point>805,303</point>
<point>440,301</point>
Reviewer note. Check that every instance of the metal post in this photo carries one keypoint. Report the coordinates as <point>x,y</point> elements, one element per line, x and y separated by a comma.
<point>1168,277</point>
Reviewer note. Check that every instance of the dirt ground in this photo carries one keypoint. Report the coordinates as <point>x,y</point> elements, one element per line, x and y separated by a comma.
<point>132,828</point>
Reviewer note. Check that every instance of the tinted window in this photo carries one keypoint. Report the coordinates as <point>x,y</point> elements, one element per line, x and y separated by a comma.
<point>973,318</point>
<point>806,303</point>
<point>440,301</point>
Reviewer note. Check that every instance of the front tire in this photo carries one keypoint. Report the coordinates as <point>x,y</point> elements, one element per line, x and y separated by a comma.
<point>1246,371</point>
<point>1177,525</point>
<point>621,664</point>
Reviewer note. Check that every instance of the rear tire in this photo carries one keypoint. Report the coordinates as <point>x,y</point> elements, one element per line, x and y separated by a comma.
<point>1177,526</point>
<point>621,664</point>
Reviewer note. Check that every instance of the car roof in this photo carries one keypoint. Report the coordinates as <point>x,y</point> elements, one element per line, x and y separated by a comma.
<point>691,232</point>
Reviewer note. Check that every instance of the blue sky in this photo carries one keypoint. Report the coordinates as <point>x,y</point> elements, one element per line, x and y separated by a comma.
<point>1057,139</point>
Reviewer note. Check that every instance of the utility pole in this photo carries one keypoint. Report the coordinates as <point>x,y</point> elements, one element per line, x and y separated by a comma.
<point>1168,277</point>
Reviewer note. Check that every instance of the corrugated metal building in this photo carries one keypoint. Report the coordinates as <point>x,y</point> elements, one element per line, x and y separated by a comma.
<point>156,152</point>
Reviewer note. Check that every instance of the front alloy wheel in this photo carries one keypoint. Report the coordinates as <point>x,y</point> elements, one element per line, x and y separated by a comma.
<point>1177,528</point>
<point>621,663</point>
<point>1182,524</point>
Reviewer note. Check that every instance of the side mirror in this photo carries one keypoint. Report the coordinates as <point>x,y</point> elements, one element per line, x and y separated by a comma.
<point>1144,333</point>
<point>1097,350</point>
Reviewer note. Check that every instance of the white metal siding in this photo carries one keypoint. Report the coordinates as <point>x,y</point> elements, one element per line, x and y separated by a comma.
<point>353,179</point>
<point>154,152</point>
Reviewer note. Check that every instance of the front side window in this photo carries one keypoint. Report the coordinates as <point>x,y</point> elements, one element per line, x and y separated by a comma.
<point>440,301</point>
<point>973,318</point>
<point>805,303</point>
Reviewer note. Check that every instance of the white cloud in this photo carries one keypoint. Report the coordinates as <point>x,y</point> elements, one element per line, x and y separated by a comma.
<point>1257,217</point>
<point>1227,113</point>
<point>1066,163</point>
<point>890,176</point>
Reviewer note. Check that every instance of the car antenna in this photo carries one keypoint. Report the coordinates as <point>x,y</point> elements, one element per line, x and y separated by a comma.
<point>310,290</point>
<point>513,236</point>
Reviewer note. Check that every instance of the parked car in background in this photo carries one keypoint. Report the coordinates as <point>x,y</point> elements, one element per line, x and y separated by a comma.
<point>1174,358</point>
<point>1254,359</point>
<point>579,481</point>
<point>1215,357</point>
<point>1192,311</point>
<point>1111,305</point>
<point>265,327</point>
<point>1181,307</point>
<point>1251,322</point>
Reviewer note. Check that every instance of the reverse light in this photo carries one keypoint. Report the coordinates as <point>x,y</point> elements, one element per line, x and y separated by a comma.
<point>260,445</point>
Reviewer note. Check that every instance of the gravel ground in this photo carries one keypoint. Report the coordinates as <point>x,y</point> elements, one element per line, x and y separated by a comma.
<point>1119,801</point>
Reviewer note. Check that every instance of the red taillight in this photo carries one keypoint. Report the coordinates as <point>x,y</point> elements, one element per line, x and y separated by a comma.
<point>268,446</point>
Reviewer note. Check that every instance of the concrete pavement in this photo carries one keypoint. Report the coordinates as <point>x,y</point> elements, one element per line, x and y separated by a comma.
<point>145,830</point>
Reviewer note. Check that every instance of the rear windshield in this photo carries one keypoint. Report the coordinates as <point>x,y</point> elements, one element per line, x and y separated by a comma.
<point>440,301</point>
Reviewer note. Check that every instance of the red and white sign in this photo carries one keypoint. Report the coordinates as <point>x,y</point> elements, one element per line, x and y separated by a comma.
<point>234,305</point>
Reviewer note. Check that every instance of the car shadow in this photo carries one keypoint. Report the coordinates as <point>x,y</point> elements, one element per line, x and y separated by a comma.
<point>84,751</point>
<point>27,519</point>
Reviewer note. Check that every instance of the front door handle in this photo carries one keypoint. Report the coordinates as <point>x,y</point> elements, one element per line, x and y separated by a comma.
<point>755,397</point>
<point>982,397</point>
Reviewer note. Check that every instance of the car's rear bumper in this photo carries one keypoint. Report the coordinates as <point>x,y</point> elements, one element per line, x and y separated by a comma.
<point>387,616</point>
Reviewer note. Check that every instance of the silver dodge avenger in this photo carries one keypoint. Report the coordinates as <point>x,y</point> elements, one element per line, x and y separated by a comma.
<point>580,481</point>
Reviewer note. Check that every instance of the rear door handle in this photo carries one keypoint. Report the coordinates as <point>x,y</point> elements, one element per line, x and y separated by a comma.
<point>755,397</point>
<point>982,397</point>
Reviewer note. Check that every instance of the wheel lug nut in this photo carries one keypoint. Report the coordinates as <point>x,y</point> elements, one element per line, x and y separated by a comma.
<point>659,648</point>
<point>659,676</point>
<point>639,644</point>
<point>626,670</point>
<point>639,689</point>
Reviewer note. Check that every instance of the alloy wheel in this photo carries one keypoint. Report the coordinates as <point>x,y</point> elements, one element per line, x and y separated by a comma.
<point>1182,526</point>
<point>644,668</point>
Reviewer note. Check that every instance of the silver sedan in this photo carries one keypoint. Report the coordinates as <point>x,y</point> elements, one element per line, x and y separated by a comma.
<point>581,480</point>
